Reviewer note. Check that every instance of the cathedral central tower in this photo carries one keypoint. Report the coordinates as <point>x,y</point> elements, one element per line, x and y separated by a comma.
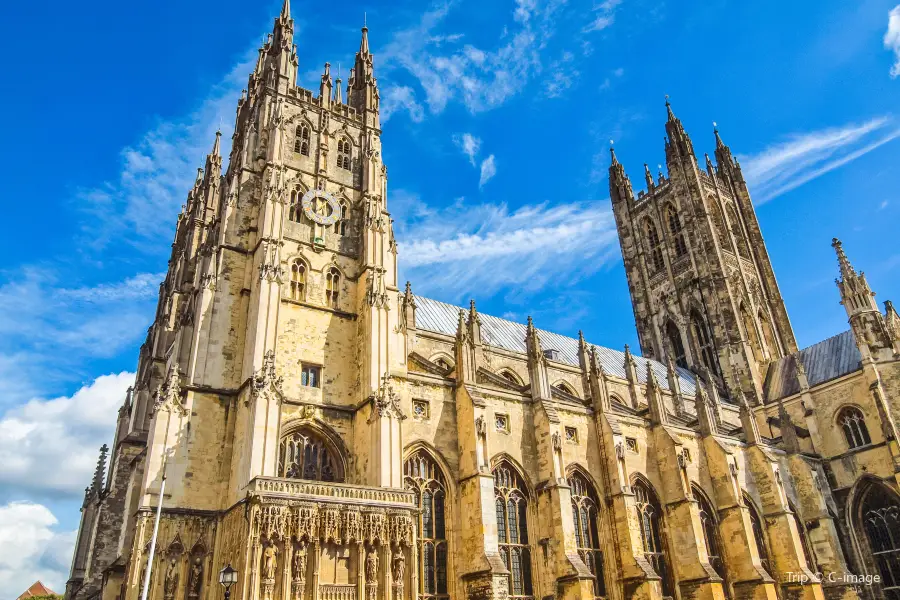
<point>703,290</point>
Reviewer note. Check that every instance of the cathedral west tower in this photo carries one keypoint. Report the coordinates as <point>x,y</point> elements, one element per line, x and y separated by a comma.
<point>703,290</point>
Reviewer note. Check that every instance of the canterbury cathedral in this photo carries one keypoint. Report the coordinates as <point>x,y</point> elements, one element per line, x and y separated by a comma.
<point>301,416</point>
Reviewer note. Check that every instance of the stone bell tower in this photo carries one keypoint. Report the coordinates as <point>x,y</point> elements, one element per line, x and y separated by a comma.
<point>703,290</point>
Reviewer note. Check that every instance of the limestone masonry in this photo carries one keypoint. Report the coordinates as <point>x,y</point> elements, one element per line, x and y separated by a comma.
<point>333,436</point>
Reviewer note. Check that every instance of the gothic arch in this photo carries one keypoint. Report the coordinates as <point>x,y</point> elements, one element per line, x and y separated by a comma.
<point>760,534</point>
<point>653,244</point>
<point>446,358</point>
<point>651,518</point>
<point>298,283</point>
<point>675,229</point>
<point>503,457</point>
<point>709,519</point>
<point>320,431</point>
<point>675,343</point>
<point>510,376</point>
<point>431,449</point>
<point>873,512</point>
<point>578,468</point>
<point>737,230</point>
<point>565,387</point>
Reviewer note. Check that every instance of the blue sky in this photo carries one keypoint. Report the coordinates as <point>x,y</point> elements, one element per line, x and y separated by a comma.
<point>497,121</point>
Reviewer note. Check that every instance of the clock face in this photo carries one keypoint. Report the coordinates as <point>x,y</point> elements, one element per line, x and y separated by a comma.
<point>321,207</point>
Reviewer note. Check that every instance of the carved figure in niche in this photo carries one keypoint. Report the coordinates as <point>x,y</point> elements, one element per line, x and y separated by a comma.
<point>196,577</point>
<point>171,582</point>
<point>299,565</point>
<point>399,566</point>
<point>269,561</point>
<point>371,567</point>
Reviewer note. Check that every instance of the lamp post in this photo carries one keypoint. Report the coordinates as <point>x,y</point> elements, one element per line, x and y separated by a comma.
<point>227,577</point>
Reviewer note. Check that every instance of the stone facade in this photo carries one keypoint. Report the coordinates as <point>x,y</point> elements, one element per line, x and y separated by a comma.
<point>299,416</point>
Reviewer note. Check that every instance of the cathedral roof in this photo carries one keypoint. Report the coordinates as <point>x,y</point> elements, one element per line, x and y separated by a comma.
<point>440,317</point>
<point>829,359</point>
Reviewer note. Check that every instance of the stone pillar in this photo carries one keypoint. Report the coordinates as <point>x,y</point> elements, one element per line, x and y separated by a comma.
<point>316,557</point>
<point>745,571</point>
<point>793,574</point>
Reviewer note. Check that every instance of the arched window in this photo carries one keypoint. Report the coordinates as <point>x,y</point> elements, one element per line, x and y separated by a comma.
<point>344,154</point>
<point>512,528</point>
<point>295,213</point>
<point>443,363</point>
<point>585,510</point>
<point>759,535</point>
<point>676,346</point>
<point>341,226</point>
<point>298,280</point>
<point>853,422</point>
<point>649,516</point>
<point>752,332</point>
<point>656,263</point>
<point>332,287</point>
<point>704,342</point>
<point>808,554</point>
<point>305,455</point>
<point>738,232</point>
<point>301,139</point>
<point>675,231</point>
<point>710,525</point>
<point>565,388</point>
<point>423,476</point>
<point>880,516</point>
<point>510,377</point>
<point>719,223</point>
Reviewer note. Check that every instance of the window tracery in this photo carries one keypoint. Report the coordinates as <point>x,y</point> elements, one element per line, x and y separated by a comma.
<point>676,345</point>
<point>759,535</point>
<point>298,280</point>
<point>512,527</point>
<point>704,342</point>
<point>649,515</point>
<point>880,514</point>
<point>345,150</point>
<point>423,476</point>
<point>853,422</point>
<point>654,247</point>
<point>676,231</point>
<point>585,511</point>
<point>710,525</point>
<point>301,139</point>
<point>332,287</point>
<point>304,454</point>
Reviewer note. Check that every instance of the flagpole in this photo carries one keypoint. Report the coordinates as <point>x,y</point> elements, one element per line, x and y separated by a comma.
<point>162,490</point>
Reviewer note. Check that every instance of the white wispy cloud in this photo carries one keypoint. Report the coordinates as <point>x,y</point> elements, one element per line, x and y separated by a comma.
<point>488,170</point>
<point>49,448</point>
<point>892,39</point>
<point>50,331</point>
<point>603,15</point>
<point>469,144</point>
<point>400,98</point>
<point>32,548</point>
<point>139,205</point>
<point>487,248</point>
<point>448,69</point>
<point>803,157</point>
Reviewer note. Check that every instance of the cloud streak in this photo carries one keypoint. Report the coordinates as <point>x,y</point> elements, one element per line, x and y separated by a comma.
<point>469,145</point>
<point>787,165</point>
<point>487,248</point>
<point>488,170</point>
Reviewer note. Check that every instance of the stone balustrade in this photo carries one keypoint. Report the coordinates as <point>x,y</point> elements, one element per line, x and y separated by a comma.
<point>316,491</point>
<point>337,591</point>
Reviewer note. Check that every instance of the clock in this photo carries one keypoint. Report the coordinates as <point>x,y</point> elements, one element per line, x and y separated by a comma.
<point>321,207</point>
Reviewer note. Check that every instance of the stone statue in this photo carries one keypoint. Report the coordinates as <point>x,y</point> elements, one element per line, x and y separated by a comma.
<point>371,567</point>
<point>399,566</point>
<point>196,577</point>
<point>269,561</point>
<point>299,565</point>
<point>171,581</point>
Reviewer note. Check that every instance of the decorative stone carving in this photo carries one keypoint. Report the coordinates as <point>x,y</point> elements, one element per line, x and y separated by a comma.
<point>195,579</point>
<point>386,402</point>
<point>170,584</point>
<point>168,395</point>
<point>372,567</point>
<point>270,561</point>
<point>298,570</point>
<point>399,568</point>
<point>266,382</point>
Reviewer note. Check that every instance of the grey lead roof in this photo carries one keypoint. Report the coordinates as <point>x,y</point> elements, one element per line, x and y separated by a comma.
<point>826,360</point>
<point>440,317</point>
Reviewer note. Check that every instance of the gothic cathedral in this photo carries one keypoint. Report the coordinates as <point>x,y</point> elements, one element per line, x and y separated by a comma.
<point>299,416</point>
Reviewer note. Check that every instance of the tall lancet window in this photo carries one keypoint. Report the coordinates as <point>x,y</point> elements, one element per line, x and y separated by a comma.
<point>423,476</point>
<point>704,342</point>
<point>676,346</point>
<point>345,150</point>
<point>654,246</point>
<point>710,524</point>
<point>332,287</point>
<point>304,454</point>
<point>341,227</point>
<point>585,509</point>
<point>298,280</point>
<point>295,213</point>
<point>676,231</point>
<point>511,500</point>
<point>649,517</point>
<point>301,139</point>
<point>759,534</point>
<point>738,232</point>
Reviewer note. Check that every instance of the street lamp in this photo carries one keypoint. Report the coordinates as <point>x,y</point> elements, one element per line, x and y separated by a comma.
<point>227,577</point>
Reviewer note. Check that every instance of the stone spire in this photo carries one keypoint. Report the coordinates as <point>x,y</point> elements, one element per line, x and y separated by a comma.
<point>537,364</point>
<point>748,422</point>
<point>363,87</point>
<point>658,413</point>
<point>706,417</point>
<point>858,300</point>
<point>325,85</point>
<point>474,323</point>
<point>100,471</point>
<point>678,144</point>
<point>338,94</point>
<point>648,177</point>
<point>619,185</point>
<point>283,32</point>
